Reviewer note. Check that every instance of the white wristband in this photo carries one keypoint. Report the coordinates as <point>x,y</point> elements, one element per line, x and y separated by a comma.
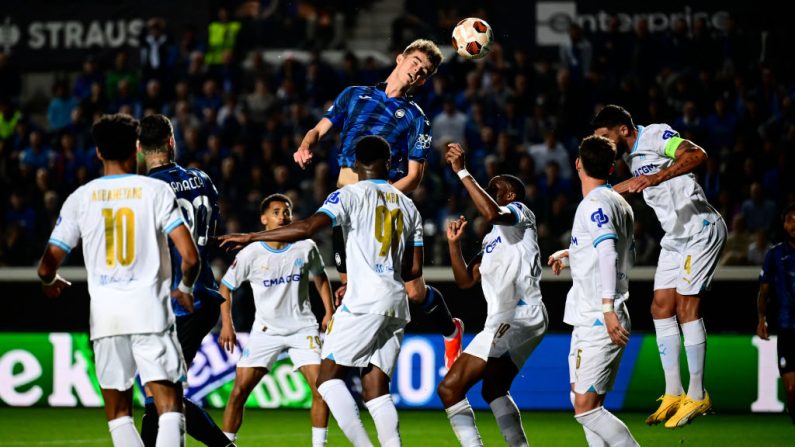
<point>184,288</point>
<point>559,256</point>
<point>463,174</point>
<point>55,279</point>
<point>608,307</point>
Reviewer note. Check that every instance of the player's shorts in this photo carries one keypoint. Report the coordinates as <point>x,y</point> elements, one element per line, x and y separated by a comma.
<point>688,264</point>
<point>192,328</point>
<point>786,350</point>
<point>357,340</point>
<point>154,356</point>
<point>516,339</point>
<point>263,349</point>
<point>594,358</point>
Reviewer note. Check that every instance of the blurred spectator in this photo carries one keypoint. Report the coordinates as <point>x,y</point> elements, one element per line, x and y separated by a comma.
<point>121,71</point>
<point>759,211</point>
<point>87,77</point>
<point>37,155</point>
<point>758,248</point>
<point>576,54</point>
<point>9,118</point>
<point>158,53</point>
<point>450,125</point>
<point>735,252</point>
<point>221,37</point>
<point>551,150</point>
<point>60,109</point>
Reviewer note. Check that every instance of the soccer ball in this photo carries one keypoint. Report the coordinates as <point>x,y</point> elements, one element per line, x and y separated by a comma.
<point>472,38</point>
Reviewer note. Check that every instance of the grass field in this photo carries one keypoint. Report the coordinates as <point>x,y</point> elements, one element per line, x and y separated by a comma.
<point>87,427</point>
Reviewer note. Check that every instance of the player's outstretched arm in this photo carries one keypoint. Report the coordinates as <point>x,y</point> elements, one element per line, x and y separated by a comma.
<point>688,157</point>
<point>412,179</point>
<point>51,282</point>
<point>323,286</point>
<point>183,241</point>
<point>227,337</point>
<point>296,231</point>
<point>486,206</point>
<point>466,275</point>
<point>303,155</point>
<point>761,308</point>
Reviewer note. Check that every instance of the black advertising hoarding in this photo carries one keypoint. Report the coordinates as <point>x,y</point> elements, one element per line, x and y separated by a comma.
<point>46,35</point>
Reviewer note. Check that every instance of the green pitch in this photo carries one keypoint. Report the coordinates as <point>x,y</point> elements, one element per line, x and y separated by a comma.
<point>87,427</point>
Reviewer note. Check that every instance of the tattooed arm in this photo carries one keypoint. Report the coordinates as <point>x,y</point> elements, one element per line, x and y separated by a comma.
<point>688,157</point>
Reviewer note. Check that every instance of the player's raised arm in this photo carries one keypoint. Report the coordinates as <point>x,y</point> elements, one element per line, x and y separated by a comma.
<point>302,229</point>
<point>485,204</point>
<point>687,157</point>
<point>466,275</point>
<point>303,155</point>
<point>412,179</point>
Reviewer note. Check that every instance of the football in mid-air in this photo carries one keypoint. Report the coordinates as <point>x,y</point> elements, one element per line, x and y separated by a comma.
<point>472,38</point>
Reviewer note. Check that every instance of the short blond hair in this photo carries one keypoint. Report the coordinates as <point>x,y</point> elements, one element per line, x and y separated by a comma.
<point>430,49</point>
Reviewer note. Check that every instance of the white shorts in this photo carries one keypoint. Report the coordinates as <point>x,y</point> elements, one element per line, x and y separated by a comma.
<point>594,358</point>
<point>263,349</point>
<point>358,340</point>
<point>688,264</point>
<point>154,356</point>
<point>516,339</point>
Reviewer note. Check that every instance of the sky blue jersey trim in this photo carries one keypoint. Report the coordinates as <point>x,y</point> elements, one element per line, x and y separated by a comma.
<point>329,214</point>
<point>604,237</point>
<point>514,212</point>
<point>173,225</point>
<point>635,146</point>
<point>228,286</point>
<point>107,177</point>
<point>61,244</point>
<point>419,243</point>
<point>275,250</point>
<point>376,180</point>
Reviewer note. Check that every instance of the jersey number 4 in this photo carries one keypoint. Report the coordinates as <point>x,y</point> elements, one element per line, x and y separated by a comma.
<point>388,228</point>
<point>119,236</point>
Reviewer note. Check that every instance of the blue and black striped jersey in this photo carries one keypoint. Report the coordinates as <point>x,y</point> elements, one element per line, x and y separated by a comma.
<point>366,110</point>
<point>198,200</point>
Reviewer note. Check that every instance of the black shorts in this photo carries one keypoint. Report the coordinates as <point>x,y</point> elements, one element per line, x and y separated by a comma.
<point>192,328</point>
<point>786,350</point>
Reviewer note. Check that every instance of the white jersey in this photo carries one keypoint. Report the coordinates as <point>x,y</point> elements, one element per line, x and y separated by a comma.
<point>381,225</point>
<point>123,221</point>
<point>511,267</point>
<point>680,203</point>
<point>280,282</point>
<point>603,214</point>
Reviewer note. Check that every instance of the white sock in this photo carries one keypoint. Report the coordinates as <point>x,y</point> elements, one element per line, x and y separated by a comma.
<point>385,416</point>
<point>608,427</point>
<point>345,411</point>
<point>171,430</point>
<point>232,436</point>
<point>319,435</point>
<point>669,345</point>
<point>695,335</point>
<point>462,419</point>
<point>591,437</point>
<point>123,434</point>
<point>509,420</point>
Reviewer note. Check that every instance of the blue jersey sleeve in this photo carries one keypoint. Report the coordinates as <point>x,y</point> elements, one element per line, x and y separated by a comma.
<point>768,268</point>
<point>420,138</point>
<point>339,110</point>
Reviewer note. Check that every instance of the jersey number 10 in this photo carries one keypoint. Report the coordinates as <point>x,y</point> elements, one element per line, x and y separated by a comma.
<point>119,236</point>
<point>388,228</point>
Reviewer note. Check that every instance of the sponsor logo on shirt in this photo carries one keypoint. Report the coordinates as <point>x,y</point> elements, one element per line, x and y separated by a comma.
<point>491,245</point>
<point>333,198</point>
<point>58,222</point>
<point>599,218</point>
<point>299,263</point>
<point>424,141</point>
<point>574,241</point>
<point>645,169</point>
<point>287,279</point>
<point>400,113</point>
<point>668,134</point>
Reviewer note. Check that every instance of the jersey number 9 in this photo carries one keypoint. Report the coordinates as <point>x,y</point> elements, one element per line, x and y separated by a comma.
<point>388,228</point>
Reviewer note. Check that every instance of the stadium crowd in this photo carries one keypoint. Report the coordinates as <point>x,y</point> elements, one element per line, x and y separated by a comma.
<point>240,118</point>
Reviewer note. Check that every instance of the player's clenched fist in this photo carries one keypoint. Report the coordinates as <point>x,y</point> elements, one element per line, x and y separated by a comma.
<point>455,229</point>
<point>455,156</point>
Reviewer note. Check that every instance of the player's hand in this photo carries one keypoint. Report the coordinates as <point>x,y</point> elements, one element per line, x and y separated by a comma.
<point>303,156</point>
<point>455,156</point>
<point>324,322</point>
<point>558,261</point>
<point>339,294</point>
<point>54,290</point>
<point>184,299</point>
<point>227,338</point>
<point>618,334</point>
<point>761,330</point>
<point>455,229</point>
<point>641,182</point>
<point>623,187</point>
<point>234,241</point>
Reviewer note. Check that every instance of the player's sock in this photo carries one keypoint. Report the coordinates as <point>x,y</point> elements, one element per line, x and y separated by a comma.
<point>608,427</point>
<point>123,434</point>
<point>436,308</point>
<point>171,430</point>
<point>149,423</point>
<point>669,345</point>
<point>593,439</point>
<point>345,411</point>
<point>201,427</point>
<point>695,335</point>
<point>509,420</point>
<point>231,436</point>
<point>462,419</point>
<point>385,416</point>
<point>319,435</point>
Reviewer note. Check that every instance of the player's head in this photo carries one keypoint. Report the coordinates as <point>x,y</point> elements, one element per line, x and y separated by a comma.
<point>505,189</point>
<point>615,123</point>
<point>372,156</point>
<point>276,211</point>
<point>116,137</point>
<point>788,219</point>
<point>157,136</point>
<point>418,62</point>
<point>596,157</point>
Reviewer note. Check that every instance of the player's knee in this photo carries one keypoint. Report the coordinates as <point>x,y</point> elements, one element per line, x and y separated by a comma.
<point>491,391</point>
<point>448,393</point>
